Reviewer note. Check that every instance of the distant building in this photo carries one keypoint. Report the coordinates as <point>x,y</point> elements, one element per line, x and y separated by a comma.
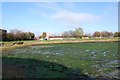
<point>56,38</point>
<point>85,37</point>
<point>47,37</point>
<point>98,37</point>
<point>61,38</point>
<point>3,34</point>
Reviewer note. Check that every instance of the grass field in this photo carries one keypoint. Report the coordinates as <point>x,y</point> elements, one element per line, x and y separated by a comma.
<point>70,60</point>
<point>7,45</point>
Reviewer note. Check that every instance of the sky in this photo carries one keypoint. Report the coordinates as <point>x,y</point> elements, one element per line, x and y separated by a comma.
<point>57,17</point>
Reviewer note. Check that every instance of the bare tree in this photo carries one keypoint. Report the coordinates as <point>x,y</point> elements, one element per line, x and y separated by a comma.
<point>79,32</point>
<point>97,34</point>
<point>117,34</point>
<point>20,35</point>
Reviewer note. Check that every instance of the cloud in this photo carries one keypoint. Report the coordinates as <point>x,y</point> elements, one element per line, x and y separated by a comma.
<point>48,5</point>
<point>44,8</point>
<point>72,17</point>
<point>38,12</point>
<point>54,6</point>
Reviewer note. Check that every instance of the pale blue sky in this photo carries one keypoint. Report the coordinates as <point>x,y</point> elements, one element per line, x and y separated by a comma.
<point>58,17</point>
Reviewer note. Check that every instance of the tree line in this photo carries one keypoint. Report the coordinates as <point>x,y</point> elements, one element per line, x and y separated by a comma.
<point>79,33</point>
<point>103,34</point>
<point>17,35</point>
<point>106,34</point>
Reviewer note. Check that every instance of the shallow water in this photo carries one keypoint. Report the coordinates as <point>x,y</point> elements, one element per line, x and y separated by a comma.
<point>93,58</point>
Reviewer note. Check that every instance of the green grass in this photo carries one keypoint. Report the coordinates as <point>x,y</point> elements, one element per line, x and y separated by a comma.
<point>79,60</point>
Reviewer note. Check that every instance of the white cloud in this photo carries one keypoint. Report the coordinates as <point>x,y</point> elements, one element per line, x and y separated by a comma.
<point>38,12</point>
<point>72,17</point>
<point>48,5</point>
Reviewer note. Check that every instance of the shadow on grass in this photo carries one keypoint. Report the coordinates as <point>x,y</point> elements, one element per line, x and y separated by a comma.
<point>31,68</point>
